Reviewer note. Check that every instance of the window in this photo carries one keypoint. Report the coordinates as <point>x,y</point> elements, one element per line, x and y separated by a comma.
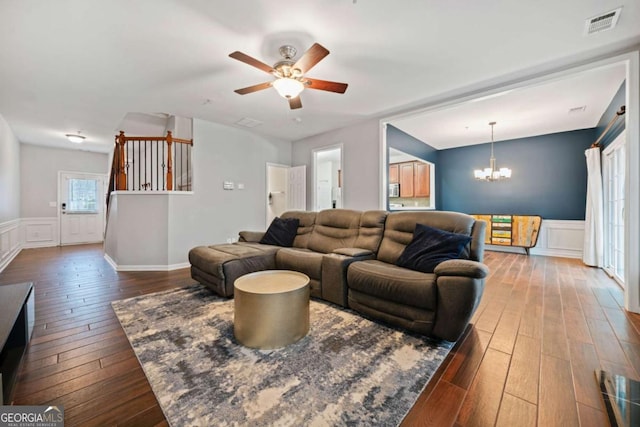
<point>83,195</point>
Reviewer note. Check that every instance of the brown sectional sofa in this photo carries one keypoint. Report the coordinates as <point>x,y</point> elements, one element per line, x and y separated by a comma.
<point>350,258</point>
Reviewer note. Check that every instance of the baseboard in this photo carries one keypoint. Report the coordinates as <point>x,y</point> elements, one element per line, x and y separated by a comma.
<point>169,267</point>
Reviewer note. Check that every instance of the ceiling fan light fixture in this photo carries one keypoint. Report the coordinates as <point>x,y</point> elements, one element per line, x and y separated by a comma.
<point>75,138</point>
<point>288,88</point>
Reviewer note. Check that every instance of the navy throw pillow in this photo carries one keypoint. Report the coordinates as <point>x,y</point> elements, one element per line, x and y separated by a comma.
<point>430,246</point>
<point>281,232</point>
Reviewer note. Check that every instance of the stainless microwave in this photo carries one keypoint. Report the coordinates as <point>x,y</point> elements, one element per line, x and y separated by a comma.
<point>394,190</point>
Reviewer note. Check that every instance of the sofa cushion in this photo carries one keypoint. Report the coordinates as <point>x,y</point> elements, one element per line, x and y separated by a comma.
<point>210,259</point>
<point>281,232</point>
<point>371,230</point>
<point>431,246</point>
<point>334,228</point>
<point>399,228</point>
<point>302,260</point>
<point>307,221</point>
<point>390,282</point>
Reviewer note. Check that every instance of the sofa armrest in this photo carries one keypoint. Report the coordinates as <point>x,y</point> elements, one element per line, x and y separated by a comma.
<point>462,267</point>
<point>358,252</point>
<point>460,285</point>
<point>334,276</point>
<point>250,236</point>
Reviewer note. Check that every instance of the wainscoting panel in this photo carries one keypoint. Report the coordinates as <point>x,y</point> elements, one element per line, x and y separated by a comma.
<point>560,238</point>
<point>40,232</point>
<point>9,242</point>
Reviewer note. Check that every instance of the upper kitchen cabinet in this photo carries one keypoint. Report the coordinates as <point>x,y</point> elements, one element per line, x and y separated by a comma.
<point>393,174</point>
<point>421,180</point>
<point>406,179</point>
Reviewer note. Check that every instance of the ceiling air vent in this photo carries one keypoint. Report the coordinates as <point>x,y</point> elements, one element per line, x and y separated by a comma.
<point>603,22</point>
<point>248,123</point>
<point>576,110</point>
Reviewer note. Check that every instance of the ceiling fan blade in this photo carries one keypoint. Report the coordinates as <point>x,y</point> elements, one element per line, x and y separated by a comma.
<point>310,58</point>
<point>326,85</point>
<point>242,57</point>
<point>295,103</point>
<point>254,88</point>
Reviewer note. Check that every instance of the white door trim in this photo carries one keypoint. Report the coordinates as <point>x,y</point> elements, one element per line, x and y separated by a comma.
<point>314,154</point>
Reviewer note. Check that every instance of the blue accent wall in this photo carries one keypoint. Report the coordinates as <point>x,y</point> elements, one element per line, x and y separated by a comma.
<point>549,177</point>
<point>619,99</point>
<point>406,143</point>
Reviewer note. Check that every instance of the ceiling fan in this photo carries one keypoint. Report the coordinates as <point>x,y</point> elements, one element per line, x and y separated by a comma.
<point>290,75</point>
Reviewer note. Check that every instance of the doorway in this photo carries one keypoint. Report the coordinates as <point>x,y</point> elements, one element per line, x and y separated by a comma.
<point>613,176</point>
<point>81,198</point>
<point>327,178</point>
<point>286,189</point>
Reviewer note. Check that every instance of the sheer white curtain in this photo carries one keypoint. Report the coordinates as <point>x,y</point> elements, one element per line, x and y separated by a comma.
<point>594,216</point>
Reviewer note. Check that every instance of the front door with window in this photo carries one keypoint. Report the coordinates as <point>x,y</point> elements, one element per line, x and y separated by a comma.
<point>81,208</point>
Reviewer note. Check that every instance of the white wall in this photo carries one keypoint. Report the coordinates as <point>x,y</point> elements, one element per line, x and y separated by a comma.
<point>360,158</point>
<point>39,168</point>
<point>9,173</point>
<point>212,215</point>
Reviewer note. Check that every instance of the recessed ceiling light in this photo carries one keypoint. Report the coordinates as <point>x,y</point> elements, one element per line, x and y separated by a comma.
<point>75,138</point>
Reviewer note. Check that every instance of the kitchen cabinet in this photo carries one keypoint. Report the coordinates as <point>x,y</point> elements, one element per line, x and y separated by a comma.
<point>421,180</point>
<point>393,174</point>
<point>414,178</point>
<point>406,179</point>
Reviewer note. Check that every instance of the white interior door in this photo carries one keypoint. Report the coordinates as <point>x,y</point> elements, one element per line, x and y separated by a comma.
<point>297,182</point>
<point>286,189</point>
<point>613,175</point>
<point>81,201</point>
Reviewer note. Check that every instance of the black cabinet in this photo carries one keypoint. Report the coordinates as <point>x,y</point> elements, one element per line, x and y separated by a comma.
<point>17,316</point>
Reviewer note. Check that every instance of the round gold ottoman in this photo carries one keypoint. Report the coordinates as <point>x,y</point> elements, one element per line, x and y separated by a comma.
<point>271,308</point>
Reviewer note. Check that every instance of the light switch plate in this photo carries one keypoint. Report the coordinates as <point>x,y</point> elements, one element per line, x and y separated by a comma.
<point>240,186</point>
<point>227,185</point>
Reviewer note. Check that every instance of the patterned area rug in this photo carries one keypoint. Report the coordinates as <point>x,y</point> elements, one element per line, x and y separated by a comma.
<point>347,371</point>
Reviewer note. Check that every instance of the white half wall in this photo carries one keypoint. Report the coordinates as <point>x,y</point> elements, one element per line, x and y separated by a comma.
<point>147,232</point>
<point>360,160</point>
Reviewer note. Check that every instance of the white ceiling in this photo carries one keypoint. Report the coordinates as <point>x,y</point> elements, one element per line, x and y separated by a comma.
<point>520,113</point>
<point>74,65</point>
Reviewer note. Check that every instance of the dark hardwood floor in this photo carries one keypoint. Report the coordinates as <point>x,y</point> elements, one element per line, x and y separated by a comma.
<point>543,326</point>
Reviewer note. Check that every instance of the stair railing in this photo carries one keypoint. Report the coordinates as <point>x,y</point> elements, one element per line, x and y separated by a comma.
<point>150,163</point>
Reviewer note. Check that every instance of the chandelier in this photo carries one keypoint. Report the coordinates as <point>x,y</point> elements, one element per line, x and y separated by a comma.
<point>492,173</point>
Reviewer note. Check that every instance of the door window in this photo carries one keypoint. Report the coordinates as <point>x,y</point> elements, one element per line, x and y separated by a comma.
<point>83,195</point>
<point>613,179</point>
